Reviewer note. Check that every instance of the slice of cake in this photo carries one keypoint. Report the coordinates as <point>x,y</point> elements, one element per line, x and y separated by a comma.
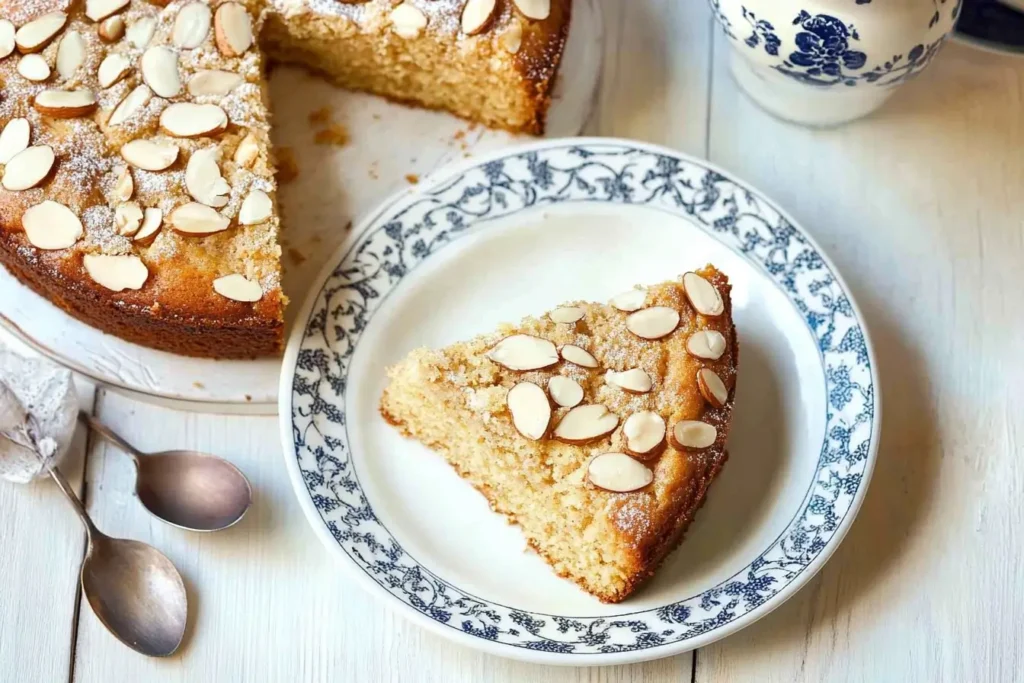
<point>596,428</point>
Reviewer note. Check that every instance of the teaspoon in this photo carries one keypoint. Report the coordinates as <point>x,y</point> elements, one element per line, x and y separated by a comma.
<point>187,489</point>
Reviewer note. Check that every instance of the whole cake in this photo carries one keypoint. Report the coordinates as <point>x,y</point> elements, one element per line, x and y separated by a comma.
<point>137,189</point>
<point>596,428</point>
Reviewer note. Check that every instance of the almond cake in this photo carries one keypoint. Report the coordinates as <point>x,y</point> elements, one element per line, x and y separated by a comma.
<point>137,189</point>
<point>596,428</point>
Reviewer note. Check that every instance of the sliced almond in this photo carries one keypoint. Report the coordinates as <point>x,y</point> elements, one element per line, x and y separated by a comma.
<point>127,218</point>
<point>203,179</point>
<point>14,139</point>
<point>237,287</point>
<point>534,9</point>
<point>34,68</point>
<point>653,323</point>
<point>160,71</point>
<point>232,29</point>
<point>693,435</point>
<point>407,21</point>
<point>98,10</point>
<point>566,314</point>
<point>618,473</point>
<point>635,381</point>
<point>111,29</point>
<point>116,273</point>
<point>124,184</point>
<point>28,168</point>
<point>703,295</point>
<point>51,225</point>
<point>531,412</point>
<point>141,32</point>
<point>524,352</point>
<point>65,104</point>
<point>511,38</point>
<point>37,34</point>
<point>584,424</point>
<point>256,208</point>
<point>189,120</point>
<point>630,301</point>
<point>247,151</point>
<point>112,69</point>
<point>70,54</point>
<point>132,104</point>
<point>149,155</point>
<point>7,33</point>
<point>578,356</point>
<point>643,432</point>
<point>151,221</point>
<point>197,219</point>
<point>192,25</point>
<point>565,391</point>
<point>478,15</point>
<point>213,82</point>
<point>712,387</point>
<point>709,344</point>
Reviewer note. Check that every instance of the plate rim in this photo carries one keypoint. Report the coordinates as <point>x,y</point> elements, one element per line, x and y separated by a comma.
<point>313,517</point>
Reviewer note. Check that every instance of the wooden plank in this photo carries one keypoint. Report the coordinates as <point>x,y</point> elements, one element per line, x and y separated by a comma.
<point>920,208</point>
<point>41,548</point>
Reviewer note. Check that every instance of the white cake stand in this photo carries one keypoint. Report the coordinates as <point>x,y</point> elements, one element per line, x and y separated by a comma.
<point>390,147</point>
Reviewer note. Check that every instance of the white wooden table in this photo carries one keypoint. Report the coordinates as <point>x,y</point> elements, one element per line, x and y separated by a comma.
<point>920,207</point>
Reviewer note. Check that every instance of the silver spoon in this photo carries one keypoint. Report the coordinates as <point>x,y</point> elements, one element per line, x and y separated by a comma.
<point>187,489</point>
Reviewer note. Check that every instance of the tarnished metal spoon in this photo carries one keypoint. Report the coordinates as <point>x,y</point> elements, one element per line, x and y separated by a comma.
<point>187,489</point>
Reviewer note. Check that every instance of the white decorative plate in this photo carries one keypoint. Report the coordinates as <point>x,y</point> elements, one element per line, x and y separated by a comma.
<point>518,233</point>
<point>388,143</point>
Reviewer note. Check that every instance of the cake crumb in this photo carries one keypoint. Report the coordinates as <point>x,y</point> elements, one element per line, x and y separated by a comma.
<point>296,256</point>
<point>248,398</point>
<point>459,135</point>
<point>287,167</point>
<point>335,134</point>
<point>320,116</point>
<point>198,385</point>
<point>412,178</point>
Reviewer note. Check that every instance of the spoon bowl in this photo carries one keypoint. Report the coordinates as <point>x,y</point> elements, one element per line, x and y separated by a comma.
<point>192,490</point>
<point>136,593</point>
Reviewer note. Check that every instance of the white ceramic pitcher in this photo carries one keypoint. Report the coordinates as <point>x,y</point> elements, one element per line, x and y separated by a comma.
<point>826,62</point>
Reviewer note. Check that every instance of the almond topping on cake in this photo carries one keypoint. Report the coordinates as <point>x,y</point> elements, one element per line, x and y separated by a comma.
<point>198,219</point>
<point>192,25</point>
<point>151,220</point>
<point>141,32</point>
<point>111,29</point>
<point>124,184</point>
<point>149,155</point>
<point>160,71</point>
<point>584,424</point>
<point>28,168</point>
<point>703,295</point>
<point>65,104</point>
<point>566,314</point>
<point>477,16</point>
<point>537,10</point>
<point>578,356</point>
<point>203,179</point>
<point>14,139</point>
<point>232,29</point>
<point>407,21</point>
<point>524,352</point>
<point>635,381</point>
<point>34,68</point>
<point>256,208</point>
<point>98,10</point>
<point>531,412</point>
<point>7,33</point>
<point>131,104</point>
<point>238,288</point>
<point>693,435</point>
<point>643,432</point>
<point>37,34</point>
<point>618,473</point>
<point>51,225</point>
<point>213,82</point>
<point>512,37</point>
<point>712,387</point>
<point>116,273</point>
<point>70,54</point>
<point>565,391</point>
<point>653,323</point>
<point>630,301</point>
<point>127,218</point>
<point>189,120</point>
<point>707,344</point>
<point>248,150</point>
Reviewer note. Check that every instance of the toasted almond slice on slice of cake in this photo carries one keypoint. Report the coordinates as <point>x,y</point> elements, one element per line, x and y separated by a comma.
<point>604,470</point>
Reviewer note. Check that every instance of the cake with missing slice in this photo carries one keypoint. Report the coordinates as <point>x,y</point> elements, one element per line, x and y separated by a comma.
<point>596,428</point>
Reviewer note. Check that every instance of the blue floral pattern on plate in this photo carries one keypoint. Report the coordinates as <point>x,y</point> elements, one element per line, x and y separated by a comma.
<point>410,232</point>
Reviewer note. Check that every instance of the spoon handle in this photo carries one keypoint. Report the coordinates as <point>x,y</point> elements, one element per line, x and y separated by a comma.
<point>73,498</point>
<point>111,436</point>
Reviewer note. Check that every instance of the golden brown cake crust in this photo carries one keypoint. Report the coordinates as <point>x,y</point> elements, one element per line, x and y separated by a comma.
<point>647,524</point>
